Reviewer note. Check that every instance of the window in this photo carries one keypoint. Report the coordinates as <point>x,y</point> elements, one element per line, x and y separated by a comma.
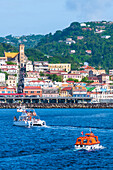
<point>85,141</point>
<point>38,91</point>
<point>3,91</point>
<point>90,141</point>
<point>9,92</point>
<point>79,140</point>
<point>26,91</point>
<point>32,91</point>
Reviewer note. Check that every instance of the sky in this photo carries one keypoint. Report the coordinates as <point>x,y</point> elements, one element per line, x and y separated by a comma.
<point>24,17</point>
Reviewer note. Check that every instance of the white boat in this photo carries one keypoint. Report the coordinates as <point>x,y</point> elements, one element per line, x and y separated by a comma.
<point>29,118</point>
<point>20,108</point>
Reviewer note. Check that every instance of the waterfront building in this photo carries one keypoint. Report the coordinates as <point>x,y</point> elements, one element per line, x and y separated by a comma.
<point>79,91</point>
<point>63,67</point>
<point>66,92</point>
<point>33,91</point>
<point>4,89</point>
<point>50,92</point>
<point>101,96</point>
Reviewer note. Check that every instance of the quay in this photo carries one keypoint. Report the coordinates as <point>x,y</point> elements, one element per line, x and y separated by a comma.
<point>59,105</point>
<point>44,102</point>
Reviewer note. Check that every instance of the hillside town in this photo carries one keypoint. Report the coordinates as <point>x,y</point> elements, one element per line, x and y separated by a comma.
<point>40,79</point>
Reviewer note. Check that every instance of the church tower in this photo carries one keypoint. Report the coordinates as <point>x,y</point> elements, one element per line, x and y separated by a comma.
<point>22,55</point>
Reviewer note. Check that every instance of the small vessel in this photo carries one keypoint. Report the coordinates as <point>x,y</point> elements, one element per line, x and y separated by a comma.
<point>29,118</point>
<point>88,142</point>
<point>20,108</point>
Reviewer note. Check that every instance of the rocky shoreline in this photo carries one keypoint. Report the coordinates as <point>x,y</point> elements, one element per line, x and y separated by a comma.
<point>55,105</point>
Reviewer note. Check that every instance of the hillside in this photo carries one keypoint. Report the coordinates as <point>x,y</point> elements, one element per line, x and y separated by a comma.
<point>30,40</point>
<point>6,47</point>
<point>101,49</point>
<point>90,42</point>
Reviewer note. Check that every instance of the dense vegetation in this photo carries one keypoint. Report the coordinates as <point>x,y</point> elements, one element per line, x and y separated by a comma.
<point>6,47</point>
<point>101,48</point>
<point>53,47</point>
<point>30,40</point>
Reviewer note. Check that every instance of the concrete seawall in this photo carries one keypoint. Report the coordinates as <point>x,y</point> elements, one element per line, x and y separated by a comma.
<point>55,105</point>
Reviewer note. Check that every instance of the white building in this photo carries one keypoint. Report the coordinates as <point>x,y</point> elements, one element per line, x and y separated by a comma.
<point>110,72</point>
<point>12,71</point>
<point>106,36</point>
<point>83,25</point>
<point>40,83</point>
<point>29,66</point>
<point>41,66</point>
<point>12,81</point>
<point>2,77</point>
<point>70,41</point>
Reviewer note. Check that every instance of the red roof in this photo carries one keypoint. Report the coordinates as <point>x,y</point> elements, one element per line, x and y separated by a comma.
<point>3,87</point>
<point>82,71</point>
<point>66,88</point>
<point>89,67</point>
<point>33,72</point>
<point>38,81</point>
<point>93,78</point>
<point>32,87</point>
<point>14,94</point>
<point>70,81</point>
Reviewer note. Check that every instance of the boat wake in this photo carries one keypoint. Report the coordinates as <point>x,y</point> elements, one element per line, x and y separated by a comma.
<point>81,127</point>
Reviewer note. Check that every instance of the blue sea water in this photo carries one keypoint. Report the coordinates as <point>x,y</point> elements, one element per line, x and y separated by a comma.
<point>52,147</point>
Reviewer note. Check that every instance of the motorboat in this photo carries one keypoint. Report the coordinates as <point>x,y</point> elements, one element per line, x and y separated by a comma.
<point>88,142</point>
<point>20,108</point>
<point>28,118</point>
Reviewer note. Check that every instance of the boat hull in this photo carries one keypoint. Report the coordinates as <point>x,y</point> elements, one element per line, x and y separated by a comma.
<point>29,123</point>
<point>87,147</point>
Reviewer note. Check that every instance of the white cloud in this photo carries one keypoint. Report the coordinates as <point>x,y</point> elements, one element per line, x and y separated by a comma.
<point>91,9</point>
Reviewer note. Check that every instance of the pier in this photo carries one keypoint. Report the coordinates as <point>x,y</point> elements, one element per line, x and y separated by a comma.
<point>44,100</point>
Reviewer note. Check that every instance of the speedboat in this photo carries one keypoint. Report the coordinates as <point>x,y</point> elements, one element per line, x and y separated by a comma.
<point>88,142</point>
<point>20,108</point>
<point>29,118</point>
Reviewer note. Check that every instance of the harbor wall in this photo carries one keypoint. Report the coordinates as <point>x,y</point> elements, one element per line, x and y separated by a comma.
<point>57,105</point>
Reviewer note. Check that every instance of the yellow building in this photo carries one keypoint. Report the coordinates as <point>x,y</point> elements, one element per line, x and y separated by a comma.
<point>65,67</point>
<point>10,56</point>
<point>18,57</point>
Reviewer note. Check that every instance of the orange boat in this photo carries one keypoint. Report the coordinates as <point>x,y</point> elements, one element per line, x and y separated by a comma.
<point>88,142</point>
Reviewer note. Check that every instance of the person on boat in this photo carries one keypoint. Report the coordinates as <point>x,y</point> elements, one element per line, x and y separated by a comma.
<point>34,114</point>
<point>15,119</point>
